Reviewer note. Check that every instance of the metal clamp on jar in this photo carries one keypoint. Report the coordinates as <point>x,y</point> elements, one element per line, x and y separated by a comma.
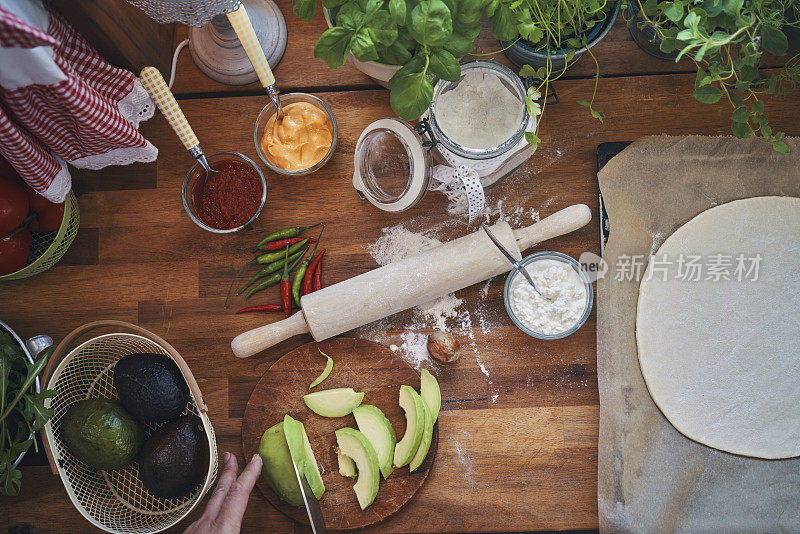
<point>395,163</point>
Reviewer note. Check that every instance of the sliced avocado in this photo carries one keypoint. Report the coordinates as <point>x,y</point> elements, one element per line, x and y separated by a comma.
<point>303,454</point>
<point>378,430</point>
<point>347,467</point>
<point>336,402</point>
<point>277,465</point>
<point>429,390</point>
<point>414,406</point>
<point>425,443</point>
<point>101,433</point>
<point>354,444</point>
<point>151,387</point>
<point>175,459</point>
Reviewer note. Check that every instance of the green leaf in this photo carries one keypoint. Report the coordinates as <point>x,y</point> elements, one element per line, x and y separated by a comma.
<point>350,16</point>
<point>304,9</point>
<point>668,45</point>
<point>758,107</point>
<point>504,24</point>
<point>363,47</point>
<point>584,103</point>
<point>527,71</point>
<point>740,114</point>
<point>410,95</point>
<point>459,45</point>
<point>741,130</point>
<point>333,46</point>
<point>333,4</point>
<point>674,11</point>
<point>774,40</point>
<point>708,94</point>
<point>444,65</point>
<point>396,54</point>
<point>398,10</point>
<point>431,23</point>
<point>532,139</point>
<point>781,147</point>
<point>382,29</point>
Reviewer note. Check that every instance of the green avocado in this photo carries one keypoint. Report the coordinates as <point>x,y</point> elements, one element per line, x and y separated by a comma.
<point>151,387</point>
<point>277,465</point>
<point>101,434</point>
<point>175,459</point>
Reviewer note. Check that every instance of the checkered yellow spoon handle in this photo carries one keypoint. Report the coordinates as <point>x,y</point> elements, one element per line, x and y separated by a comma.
<point>247,36</point>
<point>154,84</point>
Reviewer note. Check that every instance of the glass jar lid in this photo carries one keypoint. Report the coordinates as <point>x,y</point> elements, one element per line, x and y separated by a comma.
<point>514,100</point>
<point>391,167</point>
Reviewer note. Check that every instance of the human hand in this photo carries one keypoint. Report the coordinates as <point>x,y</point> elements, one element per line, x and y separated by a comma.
<point>226,507</point>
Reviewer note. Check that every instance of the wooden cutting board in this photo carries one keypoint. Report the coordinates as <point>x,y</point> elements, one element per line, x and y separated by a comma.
<point>364,366</point>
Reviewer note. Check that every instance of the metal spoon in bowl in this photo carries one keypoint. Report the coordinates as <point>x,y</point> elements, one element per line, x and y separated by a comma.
<point>155,85</point>
<point>514,262</point>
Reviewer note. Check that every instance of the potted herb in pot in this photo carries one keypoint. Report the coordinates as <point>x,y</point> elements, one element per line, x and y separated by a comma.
<point>726,39</point>
<point>545,37</point>
<point>419,40</point>
<point>652,29</point>
<point>550,32</point>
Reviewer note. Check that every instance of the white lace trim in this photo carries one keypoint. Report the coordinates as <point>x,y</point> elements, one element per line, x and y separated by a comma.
<point>118,156</point>
<point>137,106</point>
<point>62,183</point>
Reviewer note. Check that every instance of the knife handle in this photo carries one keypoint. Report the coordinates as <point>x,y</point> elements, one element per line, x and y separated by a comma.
<point>240,21</point>
<point>155,86</point>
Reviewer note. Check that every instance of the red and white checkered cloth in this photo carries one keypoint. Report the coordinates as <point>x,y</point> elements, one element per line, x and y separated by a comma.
<point>61,102</point>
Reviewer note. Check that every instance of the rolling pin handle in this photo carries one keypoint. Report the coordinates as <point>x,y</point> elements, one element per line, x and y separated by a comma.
<point>254,341</point>
<point>560,223</point>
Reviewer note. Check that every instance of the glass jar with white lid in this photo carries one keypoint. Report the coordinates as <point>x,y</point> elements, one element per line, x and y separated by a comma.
<point>396,163</point>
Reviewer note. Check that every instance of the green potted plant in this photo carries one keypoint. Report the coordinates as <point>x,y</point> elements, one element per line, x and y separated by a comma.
<point>545,37</point>
<point>423,39</point>
<point>726,40</point>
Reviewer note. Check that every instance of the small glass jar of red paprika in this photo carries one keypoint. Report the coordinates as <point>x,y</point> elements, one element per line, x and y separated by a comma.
<point>226,201</point>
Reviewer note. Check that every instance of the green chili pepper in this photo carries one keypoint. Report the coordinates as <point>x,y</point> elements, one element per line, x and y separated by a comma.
<point>264,284</point>
<point>297,283</point>
<point>270,268</point>
<point>270,257</point>
<point>285,233</point>
<point>272,280</point>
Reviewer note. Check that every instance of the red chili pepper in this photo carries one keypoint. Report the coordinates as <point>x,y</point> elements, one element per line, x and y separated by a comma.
<point>278,245</point>
<point>318,276</point>
<point>262,308</point>
<point>309,279</point>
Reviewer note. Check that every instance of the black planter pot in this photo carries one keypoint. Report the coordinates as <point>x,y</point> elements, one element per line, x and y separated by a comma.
<point>793,32</point>
<point>522,53</point>
<point>647,36</point>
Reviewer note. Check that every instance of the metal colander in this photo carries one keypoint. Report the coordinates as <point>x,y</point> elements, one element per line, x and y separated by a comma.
<point>48,247</point>
<point>115,501</point>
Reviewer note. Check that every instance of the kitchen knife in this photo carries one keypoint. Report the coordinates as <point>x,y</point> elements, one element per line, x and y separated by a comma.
<point>312,504</point>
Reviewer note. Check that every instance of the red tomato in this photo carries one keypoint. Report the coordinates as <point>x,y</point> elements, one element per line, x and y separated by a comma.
<point>13,205</point>
<point>14,252</point>
<point>50,214</point>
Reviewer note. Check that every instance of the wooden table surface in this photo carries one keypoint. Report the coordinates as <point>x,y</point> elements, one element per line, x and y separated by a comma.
<point>518,430</point>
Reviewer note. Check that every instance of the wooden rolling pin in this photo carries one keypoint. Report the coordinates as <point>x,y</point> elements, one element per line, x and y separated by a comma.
<point>409,282</point>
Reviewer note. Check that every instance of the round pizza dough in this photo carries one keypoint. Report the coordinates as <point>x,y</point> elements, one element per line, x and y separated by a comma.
<point>721,358</point>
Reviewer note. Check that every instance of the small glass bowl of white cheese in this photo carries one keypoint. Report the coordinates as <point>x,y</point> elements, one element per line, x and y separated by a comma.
<point>564,303</point>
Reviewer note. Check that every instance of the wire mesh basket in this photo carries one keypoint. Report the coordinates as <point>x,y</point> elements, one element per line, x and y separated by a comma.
<point>115,501</point>
<point>48,247</point>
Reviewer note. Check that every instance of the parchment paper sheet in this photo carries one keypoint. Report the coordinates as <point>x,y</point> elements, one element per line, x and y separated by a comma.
<point>651,478</point>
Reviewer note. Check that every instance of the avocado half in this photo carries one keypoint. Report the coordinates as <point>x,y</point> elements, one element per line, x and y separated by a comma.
<point>101,434</point>
<point>174,461</point>
<point>151,387</point>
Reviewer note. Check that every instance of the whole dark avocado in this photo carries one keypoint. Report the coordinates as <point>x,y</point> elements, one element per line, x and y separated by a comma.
<point>101,434</point>
<point>151,387</point>
<point>175,458</point>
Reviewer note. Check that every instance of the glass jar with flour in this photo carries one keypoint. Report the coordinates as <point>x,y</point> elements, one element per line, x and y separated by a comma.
<point>471,136</point>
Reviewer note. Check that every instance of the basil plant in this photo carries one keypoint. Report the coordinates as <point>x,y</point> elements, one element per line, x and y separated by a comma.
<point>425,37</point>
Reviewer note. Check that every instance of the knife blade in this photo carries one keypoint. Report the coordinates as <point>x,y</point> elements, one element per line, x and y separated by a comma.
<point>312,504</point>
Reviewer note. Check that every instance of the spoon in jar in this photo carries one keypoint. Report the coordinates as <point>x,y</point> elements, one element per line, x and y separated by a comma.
<point>240,21</point>
<point>513,260</point>
<point>157,88</point>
